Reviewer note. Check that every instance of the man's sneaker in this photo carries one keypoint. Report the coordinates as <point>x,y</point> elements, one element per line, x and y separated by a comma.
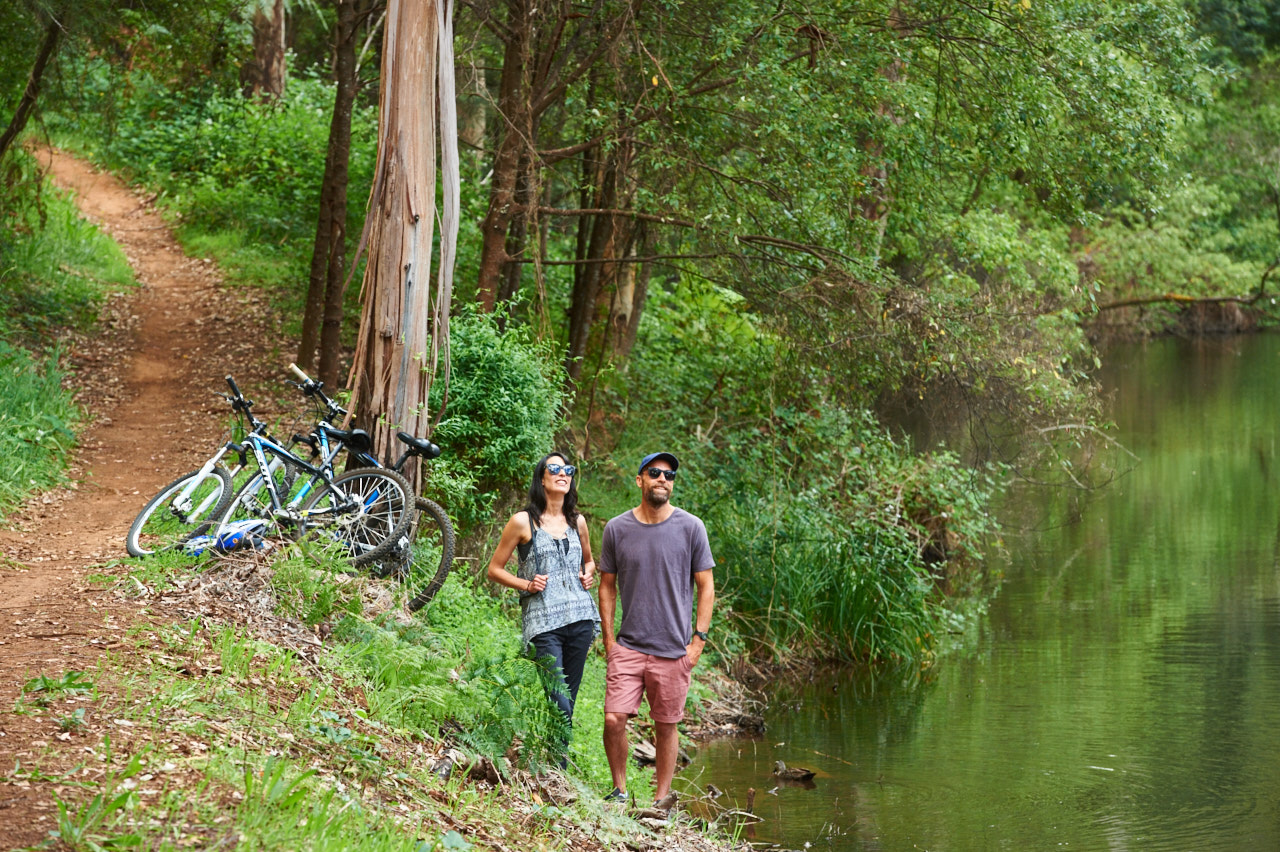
<point>616,796</point>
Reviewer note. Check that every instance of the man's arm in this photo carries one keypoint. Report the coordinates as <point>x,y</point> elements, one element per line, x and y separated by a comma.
<point>706,588</point>
<point>608,598</point>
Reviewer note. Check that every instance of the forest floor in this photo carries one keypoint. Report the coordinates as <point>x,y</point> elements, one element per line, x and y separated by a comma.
<point>147,376</point>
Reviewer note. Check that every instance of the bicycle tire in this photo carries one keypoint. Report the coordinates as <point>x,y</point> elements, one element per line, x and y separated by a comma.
<point>430,554</point>
<point>380,526</point>
<point>162,526</point>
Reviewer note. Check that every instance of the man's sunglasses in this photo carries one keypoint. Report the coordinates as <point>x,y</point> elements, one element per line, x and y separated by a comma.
<point>557,469</point>
<point>656,472</point>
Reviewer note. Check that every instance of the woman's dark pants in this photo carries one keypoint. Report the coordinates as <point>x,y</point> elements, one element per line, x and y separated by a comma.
<point>567,648</point>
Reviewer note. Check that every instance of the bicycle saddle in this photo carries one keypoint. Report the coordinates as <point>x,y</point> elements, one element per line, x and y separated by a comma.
<point>419,446</point>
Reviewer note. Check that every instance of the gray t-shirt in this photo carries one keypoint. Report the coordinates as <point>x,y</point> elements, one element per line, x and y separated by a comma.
<point>655,564</point>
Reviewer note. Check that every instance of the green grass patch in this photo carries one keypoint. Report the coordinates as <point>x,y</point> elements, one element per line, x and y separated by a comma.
<point>37,424</point>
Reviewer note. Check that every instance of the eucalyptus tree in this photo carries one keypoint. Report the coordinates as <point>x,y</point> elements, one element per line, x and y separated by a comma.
<point>264,75</point>
<point>404,322</point>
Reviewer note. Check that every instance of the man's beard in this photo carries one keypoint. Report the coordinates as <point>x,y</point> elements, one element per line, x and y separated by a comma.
<point>657,499</point>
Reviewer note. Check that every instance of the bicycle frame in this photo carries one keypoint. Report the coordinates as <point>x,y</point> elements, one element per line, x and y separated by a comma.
<point>261,446</point>
<point>181,504</point>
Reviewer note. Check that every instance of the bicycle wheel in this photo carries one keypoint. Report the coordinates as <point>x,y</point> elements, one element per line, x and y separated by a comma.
<point>359,516</point>
<point>177,514</point>
<point>428,556</point>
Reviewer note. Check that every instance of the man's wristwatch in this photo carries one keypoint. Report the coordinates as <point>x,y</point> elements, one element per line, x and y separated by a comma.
<point>701,634</point>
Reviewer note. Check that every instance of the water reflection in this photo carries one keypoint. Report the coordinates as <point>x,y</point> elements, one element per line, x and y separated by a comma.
<point>1124,690</point>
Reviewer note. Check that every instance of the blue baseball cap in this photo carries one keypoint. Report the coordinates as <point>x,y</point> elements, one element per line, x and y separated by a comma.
<point>644,462</point>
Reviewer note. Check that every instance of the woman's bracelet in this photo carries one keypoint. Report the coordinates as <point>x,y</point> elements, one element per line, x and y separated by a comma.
<point>529,588</point>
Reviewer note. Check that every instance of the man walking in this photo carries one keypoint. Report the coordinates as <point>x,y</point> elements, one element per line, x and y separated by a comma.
<point>655,558</point>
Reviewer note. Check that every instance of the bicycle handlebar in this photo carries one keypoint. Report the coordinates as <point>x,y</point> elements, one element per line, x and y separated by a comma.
<point>239,403</point>
<point>310,387</point>
<point>420,447</point>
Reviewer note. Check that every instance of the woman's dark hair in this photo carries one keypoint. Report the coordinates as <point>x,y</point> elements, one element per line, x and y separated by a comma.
<point>538,495</point>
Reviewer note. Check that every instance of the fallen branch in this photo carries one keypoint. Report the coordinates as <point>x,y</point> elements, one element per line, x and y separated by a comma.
<point>1180,298</point>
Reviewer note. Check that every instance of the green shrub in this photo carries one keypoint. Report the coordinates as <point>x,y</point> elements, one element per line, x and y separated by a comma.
<point>504,408</point>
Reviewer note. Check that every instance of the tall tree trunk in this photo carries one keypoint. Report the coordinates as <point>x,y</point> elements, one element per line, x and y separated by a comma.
<point>404,322</point>
<point>608,241</point>
<point>48,48</point>
<point>264,76</point>
<point>628,301</point>
<point>518,230</point>
<point>473,111</point>
<point>326,285</point>
<point>514,144</point>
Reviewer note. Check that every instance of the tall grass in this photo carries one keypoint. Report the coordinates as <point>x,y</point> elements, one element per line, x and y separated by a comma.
<point>36,424</point>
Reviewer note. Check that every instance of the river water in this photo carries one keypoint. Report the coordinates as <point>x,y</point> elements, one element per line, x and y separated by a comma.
<point>1123,690</point>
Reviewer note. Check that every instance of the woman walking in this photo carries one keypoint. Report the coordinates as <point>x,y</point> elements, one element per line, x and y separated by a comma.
<point>560,619</point>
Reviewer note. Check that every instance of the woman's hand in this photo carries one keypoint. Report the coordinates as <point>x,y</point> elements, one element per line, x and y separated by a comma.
<point>537,584</point>
<point>588,575</point>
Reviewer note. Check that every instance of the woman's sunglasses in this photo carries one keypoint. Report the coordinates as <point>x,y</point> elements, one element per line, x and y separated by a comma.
<point>557,469</point>
<point>656,472</point>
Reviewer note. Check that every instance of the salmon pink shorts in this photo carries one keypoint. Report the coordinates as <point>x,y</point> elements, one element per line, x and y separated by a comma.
<point>629,675</point>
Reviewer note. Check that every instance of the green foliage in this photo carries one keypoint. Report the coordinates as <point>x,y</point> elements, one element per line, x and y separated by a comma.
<point>1215,234</point>
<point>1178,252</point>
<point>504,407</point>
<point>827,532</point>
<point>1243,30</point>
<point>20,38</point>
<point>246,171</point>
<point>36,423</point>
<point>895,190</point>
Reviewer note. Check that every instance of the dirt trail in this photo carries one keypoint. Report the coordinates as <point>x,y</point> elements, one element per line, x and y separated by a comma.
<point>147,378</point>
